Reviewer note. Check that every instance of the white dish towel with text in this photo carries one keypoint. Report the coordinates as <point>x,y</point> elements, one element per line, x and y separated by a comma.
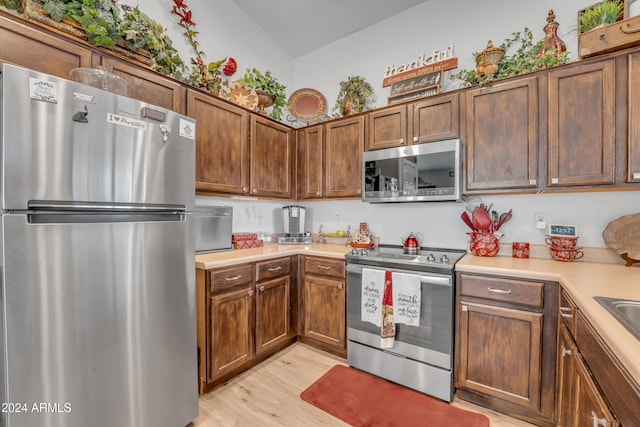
<point>372,291</point>
<point>406,298</point>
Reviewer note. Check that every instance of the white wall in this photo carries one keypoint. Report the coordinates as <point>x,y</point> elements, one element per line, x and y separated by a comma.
<point>432,25</point>
<point>225,30</point>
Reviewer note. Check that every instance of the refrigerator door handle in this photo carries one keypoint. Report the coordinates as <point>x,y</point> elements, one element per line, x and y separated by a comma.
<point>54,205</point>
<point>97,217</point>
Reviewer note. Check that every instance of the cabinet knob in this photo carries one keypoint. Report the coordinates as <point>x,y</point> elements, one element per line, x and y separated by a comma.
<point>415,139</point>
<point>532,182</point>
<point>554,180</point>
<point>233,278</point>
<point>245,189</point>
<point>317,193</point>
<point>272,269</point>
<point>565,352</point>
<point>323,267</point>
<point>340,285</point>
<point>636,175</point>
<point>255,190</point>
<point>401,141</point>
<point>262,288</point>
<point>250,293</point>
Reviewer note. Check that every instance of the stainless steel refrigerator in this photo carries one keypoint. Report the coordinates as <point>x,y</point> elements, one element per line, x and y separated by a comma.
<point>98,322</point>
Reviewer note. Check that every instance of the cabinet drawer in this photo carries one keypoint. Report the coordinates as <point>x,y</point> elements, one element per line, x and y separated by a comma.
<point>324,267</point>
<point>272,268</point>
<point>227,278</point>
<point>505,290</point>
<point>567,312</point>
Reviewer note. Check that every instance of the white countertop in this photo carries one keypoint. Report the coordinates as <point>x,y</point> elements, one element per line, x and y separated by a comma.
<point>272,250</point>
<point>582,281</point>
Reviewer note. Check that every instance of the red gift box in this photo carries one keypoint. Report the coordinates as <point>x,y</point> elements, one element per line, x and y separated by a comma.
<point>248,244</point>
<point>239,237</point>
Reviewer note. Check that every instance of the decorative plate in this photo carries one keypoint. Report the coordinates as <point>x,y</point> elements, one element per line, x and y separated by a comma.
<point>240,94</point>
<point>307,104</point>
<point>623,236</point>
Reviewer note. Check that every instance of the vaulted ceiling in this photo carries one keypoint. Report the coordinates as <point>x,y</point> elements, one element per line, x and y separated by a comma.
<point>301,26</point>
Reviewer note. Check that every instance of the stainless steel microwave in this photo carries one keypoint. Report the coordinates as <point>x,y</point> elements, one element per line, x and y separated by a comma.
<point>415,173</point>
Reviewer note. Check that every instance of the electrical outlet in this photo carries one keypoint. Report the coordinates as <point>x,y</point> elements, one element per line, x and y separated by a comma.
<point>540,220</point>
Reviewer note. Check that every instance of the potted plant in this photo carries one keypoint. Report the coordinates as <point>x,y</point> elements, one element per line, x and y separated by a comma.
<point>526,58</point>
<point>269,90</point>
<point>356,95</point>
<point>599,15</point>
<point>139,31</point>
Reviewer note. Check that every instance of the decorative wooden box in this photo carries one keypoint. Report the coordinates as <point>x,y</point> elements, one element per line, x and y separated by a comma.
<point>609,38</point>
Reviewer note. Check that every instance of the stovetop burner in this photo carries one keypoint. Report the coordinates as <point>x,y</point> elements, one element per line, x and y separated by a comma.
<point>390,255</point>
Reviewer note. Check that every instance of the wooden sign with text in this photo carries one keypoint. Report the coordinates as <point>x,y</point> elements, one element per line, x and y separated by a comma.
<point>414,84</point>
<point>445,65</point>
<point>413,95</point>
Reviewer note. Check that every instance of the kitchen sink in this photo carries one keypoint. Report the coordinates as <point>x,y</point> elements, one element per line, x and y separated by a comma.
<point>625,311</point>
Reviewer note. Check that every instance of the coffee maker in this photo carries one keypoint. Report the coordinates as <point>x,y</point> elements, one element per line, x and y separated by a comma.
<point>293,221</point>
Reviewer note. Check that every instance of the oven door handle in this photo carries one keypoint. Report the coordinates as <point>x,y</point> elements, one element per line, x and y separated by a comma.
<point>427,279</point>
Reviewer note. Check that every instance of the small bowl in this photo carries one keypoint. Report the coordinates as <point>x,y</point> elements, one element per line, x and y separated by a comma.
<point>562,242</point>
<point>565,254</point>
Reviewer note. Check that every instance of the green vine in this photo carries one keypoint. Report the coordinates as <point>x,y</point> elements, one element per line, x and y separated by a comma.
<point>525,59</point>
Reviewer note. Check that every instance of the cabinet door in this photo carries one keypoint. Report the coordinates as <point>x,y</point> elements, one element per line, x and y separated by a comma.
<point>272,157</point>
<point>633,166</point>
<point>502,135</point>
<point>343,147</point>
<point>581,120</point>
<point>566,379</point>
<point>324,310</point>
<point>40,51</point>
<point>500,353</point>
<point>273,324</point>
<point>387,128</point>
<point>148,86</point>
<point>591,407</point>
<point>231,330</point>
<point>310,165</point>
<point>436,118</point>
<point>222,144</point>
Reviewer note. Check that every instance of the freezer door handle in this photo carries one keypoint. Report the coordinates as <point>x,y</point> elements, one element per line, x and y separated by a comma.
<point>83,217</point>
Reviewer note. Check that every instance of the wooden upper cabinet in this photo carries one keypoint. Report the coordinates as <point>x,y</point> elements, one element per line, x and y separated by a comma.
<point>32,48</point>
<point>435,119</point>
<point>633,162</point>
<point>222,151</point>
<point>581,123</point>
<point>272,158</point>
<point>502,135</point>
<point>148,86</point>
<point>343,147</point>
<point>387,128</point>
<point>310,165</point>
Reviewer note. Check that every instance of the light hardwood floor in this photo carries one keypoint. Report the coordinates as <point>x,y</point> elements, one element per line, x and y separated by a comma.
<point>268,395</point>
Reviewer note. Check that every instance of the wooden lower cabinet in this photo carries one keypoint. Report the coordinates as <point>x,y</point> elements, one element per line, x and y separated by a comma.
<point>244,314</point>
<point>323,311</point>
<point>580,402</point>
<point>506,345</point>
<point>231,330</point>
<point>502,351</point>
<point>593,388</point>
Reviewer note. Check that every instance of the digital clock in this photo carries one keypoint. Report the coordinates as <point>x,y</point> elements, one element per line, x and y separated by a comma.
<point>562,230</point>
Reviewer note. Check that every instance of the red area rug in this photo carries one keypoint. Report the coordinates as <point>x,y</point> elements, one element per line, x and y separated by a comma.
<point>362,400</point>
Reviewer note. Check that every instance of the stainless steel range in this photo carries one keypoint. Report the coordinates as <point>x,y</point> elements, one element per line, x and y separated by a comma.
<point>421,357</point>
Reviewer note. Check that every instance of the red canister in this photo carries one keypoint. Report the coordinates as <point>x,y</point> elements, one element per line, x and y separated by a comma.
<point>520,249</point>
